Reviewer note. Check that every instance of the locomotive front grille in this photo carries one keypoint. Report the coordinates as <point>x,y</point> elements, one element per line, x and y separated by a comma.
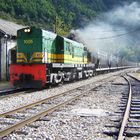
<point>26,77</point>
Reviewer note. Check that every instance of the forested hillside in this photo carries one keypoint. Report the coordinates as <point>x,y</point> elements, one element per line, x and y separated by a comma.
<point>66,14</point>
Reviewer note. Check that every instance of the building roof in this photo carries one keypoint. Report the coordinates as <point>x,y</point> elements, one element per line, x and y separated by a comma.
<point>9,28</point>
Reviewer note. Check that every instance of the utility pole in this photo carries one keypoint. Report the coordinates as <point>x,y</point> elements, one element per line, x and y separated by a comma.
<point>6,39</point>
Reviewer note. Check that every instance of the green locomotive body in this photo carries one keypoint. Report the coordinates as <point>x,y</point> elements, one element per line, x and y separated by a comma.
<point>40,46</point>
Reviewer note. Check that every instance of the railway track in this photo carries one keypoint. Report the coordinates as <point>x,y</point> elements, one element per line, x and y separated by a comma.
<point>25,115</point>
<point>127,124</point>
<point>9,90</point>
<point>6,93</point>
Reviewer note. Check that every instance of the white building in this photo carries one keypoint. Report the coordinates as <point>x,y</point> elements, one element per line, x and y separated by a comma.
<point>8,33</point>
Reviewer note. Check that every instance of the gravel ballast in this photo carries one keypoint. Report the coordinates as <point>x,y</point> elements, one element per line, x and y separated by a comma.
<point>83,119</point>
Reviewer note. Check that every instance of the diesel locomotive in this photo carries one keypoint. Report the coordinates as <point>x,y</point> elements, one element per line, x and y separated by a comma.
<point>44,57</point>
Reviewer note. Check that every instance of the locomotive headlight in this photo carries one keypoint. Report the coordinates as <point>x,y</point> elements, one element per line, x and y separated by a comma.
<point>26,30</point>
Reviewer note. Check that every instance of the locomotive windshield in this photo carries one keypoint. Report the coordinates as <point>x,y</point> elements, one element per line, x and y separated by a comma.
<point>29,43</point>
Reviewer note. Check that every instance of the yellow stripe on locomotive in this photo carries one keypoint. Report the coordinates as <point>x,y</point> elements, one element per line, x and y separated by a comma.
<point>51,58</point>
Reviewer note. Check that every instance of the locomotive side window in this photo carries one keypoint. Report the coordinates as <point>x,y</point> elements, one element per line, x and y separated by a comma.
<point>68,46</point>
<point>59,44</point>
<point>72,51</point>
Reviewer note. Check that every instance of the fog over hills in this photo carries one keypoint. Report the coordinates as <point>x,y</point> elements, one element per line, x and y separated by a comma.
<point>43,13</point>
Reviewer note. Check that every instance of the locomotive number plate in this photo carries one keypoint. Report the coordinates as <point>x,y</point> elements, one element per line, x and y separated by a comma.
<point>28,41</point>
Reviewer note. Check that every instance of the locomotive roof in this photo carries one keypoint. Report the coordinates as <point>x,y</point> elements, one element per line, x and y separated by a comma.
<point>44,32</point>
<point>53,35</point>
<point>48,33</point>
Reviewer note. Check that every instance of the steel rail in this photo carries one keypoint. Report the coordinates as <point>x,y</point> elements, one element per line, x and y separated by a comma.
<point>133,77</point>
<point>3,91</point>
<point>44,100</point>
<point>32,104</point>
<point>29,120</point>
<point>126,114</point>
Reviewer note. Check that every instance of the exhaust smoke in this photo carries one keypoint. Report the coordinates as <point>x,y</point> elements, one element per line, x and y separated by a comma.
<point>115,33</point>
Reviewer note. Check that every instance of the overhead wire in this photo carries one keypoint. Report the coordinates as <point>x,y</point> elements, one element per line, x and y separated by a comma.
<point>104,31</point>
<point>115,36</point>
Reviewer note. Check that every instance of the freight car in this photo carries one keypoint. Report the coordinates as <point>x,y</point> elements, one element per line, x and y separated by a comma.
<point>44,57</point>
